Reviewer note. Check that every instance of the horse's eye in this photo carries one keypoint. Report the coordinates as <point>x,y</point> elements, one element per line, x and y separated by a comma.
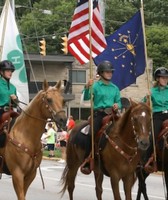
<point>135,119</point>
<point>49,100</point>
<point>64,103</point>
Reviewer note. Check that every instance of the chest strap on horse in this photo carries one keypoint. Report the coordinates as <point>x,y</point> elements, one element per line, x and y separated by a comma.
<point>24,148</point>
<point>129,158</point>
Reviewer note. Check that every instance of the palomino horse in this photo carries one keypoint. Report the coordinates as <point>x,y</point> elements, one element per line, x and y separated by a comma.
<point>162,163</point>
<point>22,154</point>
<point>118,158</point>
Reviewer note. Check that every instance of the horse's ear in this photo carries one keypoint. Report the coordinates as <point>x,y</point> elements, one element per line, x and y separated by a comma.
<point>58,85</point>
<point>133,103</point>
<point>45,85</point>
<point>148,100</point>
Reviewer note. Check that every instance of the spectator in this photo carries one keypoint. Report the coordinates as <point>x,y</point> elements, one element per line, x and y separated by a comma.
<point>62,139</point>
<point>70,125</point>
<point>50,137</point>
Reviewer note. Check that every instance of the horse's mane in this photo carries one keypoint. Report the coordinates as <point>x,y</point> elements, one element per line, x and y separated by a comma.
<point>120,123</point>
<point>118,128</point>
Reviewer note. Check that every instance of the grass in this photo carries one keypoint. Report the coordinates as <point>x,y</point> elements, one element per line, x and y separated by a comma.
<point>57,153</point>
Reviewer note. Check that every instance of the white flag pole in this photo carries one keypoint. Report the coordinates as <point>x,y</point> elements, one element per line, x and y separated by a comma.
<point>148,82</point>
<point>91,72</point>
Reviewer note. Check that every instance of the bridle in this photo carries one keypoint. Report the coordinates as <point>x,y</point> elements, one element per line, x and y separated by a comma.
<point>143,114</point>
<point>128,157</point>
<point>50,109</point>
<point>47,106</point>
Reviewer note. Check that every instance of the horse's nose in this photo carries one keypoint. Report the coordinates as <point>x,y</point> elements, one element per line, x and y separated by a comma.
<point>143,143</point>
<point>62,122</point>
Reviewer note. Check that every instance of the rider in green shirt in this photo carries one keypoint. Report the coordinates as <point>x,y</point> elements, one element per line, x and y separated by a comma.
<point>106,96</point>
<point>7,89</point>
<point>159,99</point>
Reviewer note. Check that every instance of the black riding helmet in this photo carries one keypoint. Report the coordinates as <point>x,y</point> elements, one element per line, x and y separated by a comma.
<point>6,65</point>
<point>161,71</point>
<point>105,66</point>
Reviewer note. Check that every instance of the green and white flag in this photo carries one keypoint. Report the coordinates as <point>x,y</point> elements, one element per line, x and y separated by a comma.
<point>11,49</point>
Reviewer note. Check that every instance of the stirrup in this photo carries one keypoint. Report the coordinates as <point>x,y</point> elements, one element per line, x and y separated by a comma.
<point>87,166</point>
<point>151,165</point>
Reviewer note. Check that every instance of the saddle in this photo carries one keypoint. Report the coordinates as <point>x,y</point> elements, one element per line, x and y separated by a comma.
<point>151,165</point>
<point>5,122</point>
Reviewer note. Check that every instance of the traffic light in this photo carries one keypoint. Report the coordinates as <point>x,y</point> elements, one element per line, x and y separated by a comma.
<point>43,47</point>
<point>65,44</point>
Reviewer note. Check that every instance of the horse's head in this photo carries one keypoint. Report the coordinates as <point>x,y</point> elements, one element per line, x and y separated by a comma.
<point>141,122</point>
<point>53,101</point>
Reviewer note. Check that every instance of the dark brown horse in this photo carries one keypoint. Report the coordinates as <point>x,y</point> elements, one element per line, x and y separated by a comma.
<point>118,156</point>
<point>22,154</point>
<point>161,163</point>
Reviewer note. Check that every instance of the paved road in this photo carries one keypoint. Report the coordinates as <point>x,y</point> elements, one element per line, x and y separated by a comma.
<point>84,190</point>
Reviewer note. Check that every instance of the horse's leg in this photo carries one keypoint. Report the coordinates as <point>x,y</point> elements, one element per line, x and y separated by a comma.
<point>28,180</point>
<point>128,182</point>
<point>98,181</point>
<point>165,169</point>
<point>18,183</point>
<point>142,175</point>
<point>71,175</point>
<point>115,186</point>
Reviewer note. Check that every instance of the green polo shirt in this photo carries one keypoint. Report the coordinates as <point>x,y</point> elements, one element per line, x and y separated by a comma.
<point>159,98</point>
<point>51,134</point>
<point>5,92</point>
<point>104,95</point>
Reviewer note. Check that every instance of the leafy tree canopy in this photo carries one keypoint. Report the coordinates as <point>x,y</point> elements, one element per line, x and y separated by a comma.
<point>51,19</point>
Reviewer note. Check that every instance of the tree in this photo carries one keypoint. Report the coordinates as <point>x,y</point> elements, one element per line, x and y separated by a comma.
<point>35,23</point>
<point>53,22</point>
<point>157,43</point>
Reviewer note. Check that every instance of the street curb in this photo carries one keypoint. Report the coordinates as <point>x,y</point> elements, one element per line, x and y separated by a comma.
<point>47,158</point>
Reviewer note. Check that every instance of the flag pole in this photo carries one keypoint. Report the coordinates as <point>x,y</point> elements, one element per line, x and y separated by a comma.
<point>4,28</point>
<point>91,75</point>
<point>148,82</point>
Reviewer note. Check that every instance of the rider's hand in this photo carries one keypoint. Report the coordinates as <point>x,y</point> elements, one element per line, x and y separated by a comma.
<point>115,107</point>
<point>89,84</point>
<point>13,96</point>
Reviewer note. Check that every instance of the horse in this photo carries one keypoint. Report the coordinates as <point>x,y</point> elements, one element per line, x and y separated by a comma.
<point>117,154</point>
<point>22,153</point>
<point>160,165</point>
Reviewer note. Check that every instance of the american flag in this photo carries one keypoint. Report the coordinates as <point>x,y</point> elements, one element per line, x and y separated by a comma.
<point>78,38</point>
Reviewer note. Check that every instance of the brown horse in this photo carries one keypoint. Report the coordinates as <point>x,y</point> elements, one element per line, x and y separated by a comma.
<point>160,165</point>
<point>118,158</point>
<point>22,153</point>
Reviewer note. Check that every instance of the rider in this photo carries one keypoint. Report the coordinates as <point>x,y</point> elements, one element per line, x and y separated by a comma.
<point>106,95</point>
<point>159,99</point>
<point>7,90</point>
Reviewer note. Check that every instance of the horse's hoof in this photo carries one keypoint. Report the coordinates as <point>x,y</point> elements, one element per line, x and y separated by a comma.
<point>85,170</point>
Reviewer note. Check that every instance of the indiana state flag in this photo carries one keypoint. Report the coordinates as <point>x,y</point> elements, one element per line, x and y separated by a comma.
<point>125,49</point>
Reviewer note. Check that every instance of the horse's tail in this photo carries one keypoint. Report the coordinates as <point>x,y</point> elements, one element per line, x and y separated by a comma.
<point>64,180</point>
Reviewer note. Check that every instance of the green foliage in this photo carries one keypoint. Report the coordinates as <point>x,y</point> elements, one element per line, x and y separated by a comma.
<point>157,42</point>
<point>57,153</point>
<point>51,19</point>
